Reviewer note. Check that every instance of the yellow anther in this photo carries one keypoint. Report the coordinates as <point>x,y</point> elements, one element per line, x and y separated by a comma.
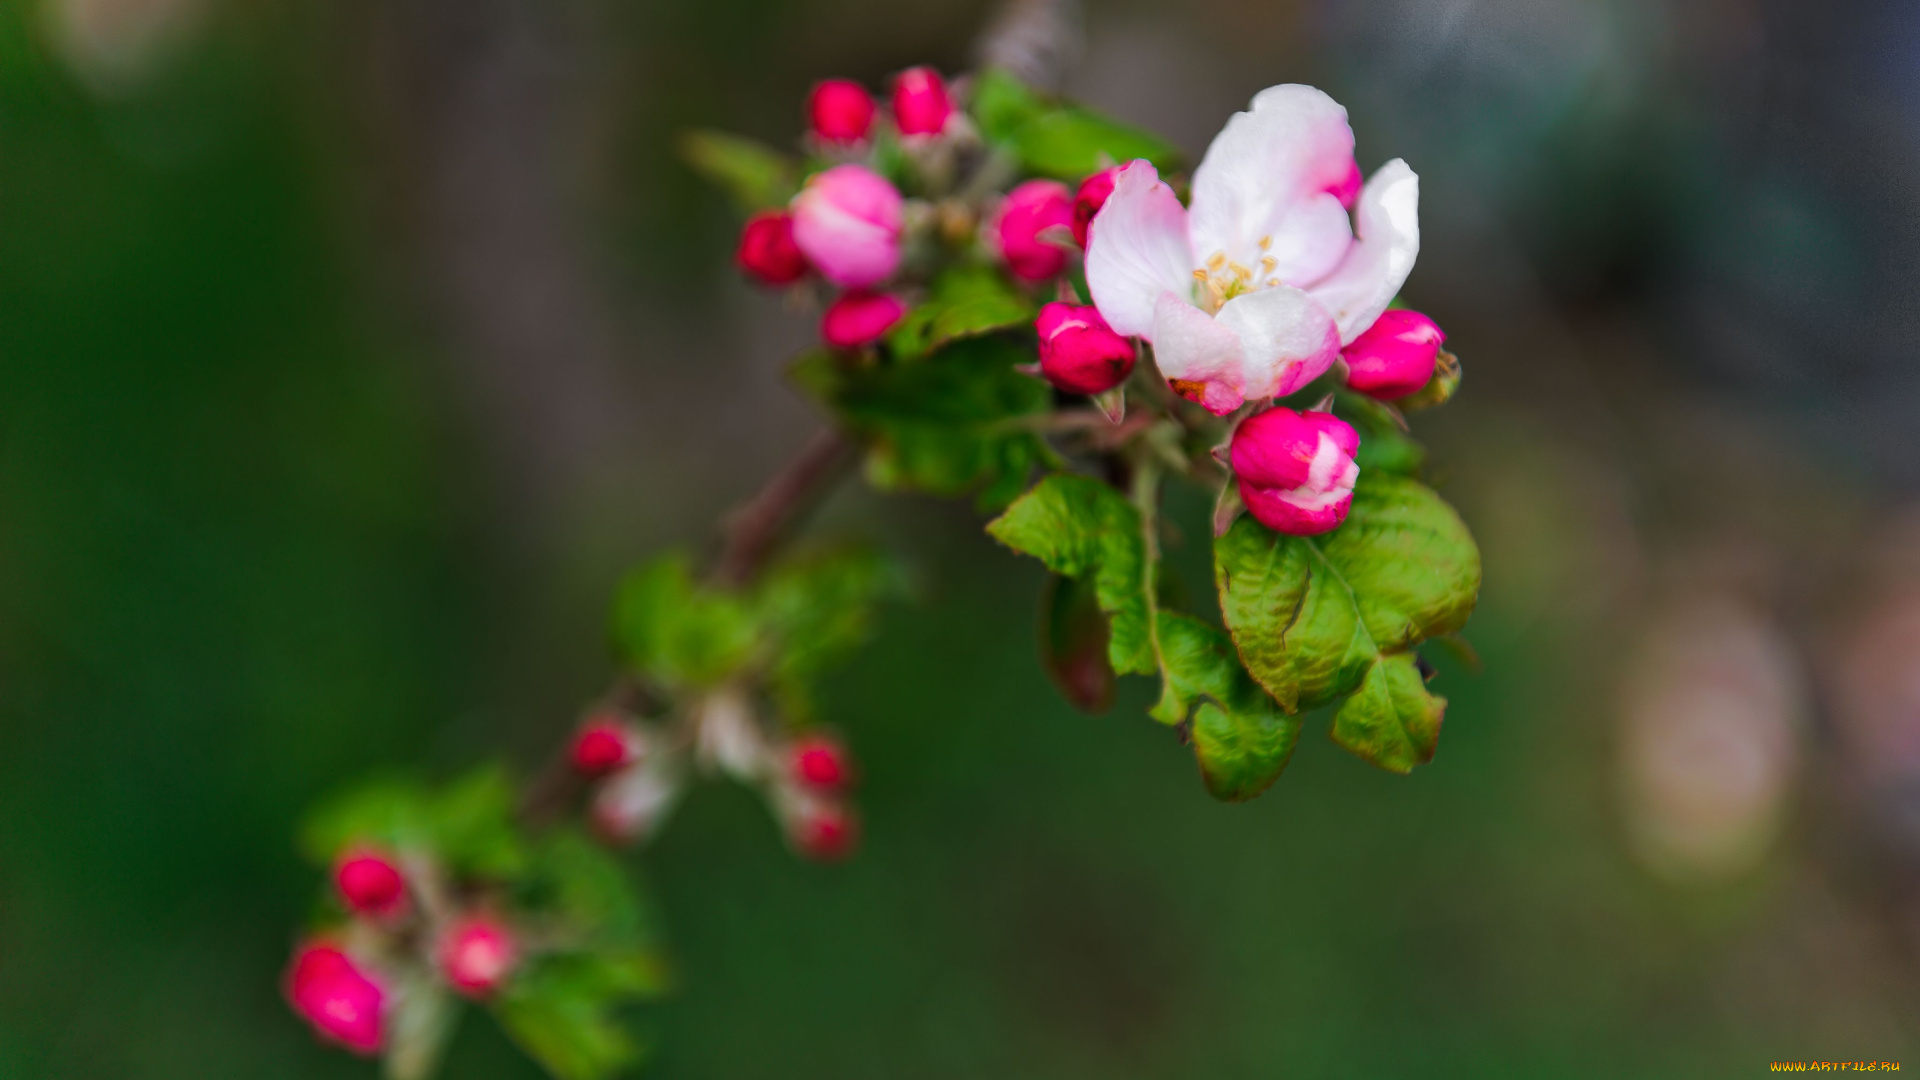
<point>1266,242</point>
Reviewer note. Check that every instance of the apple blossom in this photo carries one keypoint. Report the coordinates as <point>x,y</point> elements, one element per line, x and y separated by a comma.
<point>370,882</point>
<point>767,251</point>
<point>1019,229</point>
<point>1089,199</point>
<point>1295,469</point>
<point>341,1002</point>
<point>1393,357</point>
<point>1251,292</point>
<point>840,111</point>
<point>1079,352</point>
<point>847,221</point>
<point>860,318</point>
<point>477,954</point>
<point>920,102</point>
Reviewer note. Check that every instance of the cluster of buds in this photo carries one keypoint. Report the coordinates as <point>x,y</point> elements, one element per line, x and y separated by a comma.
<point>636,773</point>
<point>400,927</point>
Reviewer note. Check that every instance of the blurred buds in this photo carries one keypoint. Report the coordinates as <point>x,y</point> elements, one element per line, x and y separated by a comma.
<point>1079,352</point>
<point>1296,469</point>
<point>1088,201</point>
<point>1395,356</point>
<point>920,102</point>
<point>341,1002</point>
<point>847,222</point>
<point>604,745</point>
<point>631,805</point>
<point>728,736</point>
<point>1033,221</point>
<point>840,111</point>
<point>370,882</point>
<point>825,830</point>
<point>767,251</point>
<point>477,954</point>
<point>860,318</point>
<point>820,762</point>
<point>1348,189</point>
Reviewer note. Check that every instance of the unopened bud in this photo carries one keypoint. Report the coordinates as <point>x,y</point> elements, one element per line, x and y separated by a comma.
<point>1079,352</point>
<point>860,318</point>
<point>1394,357</point>
<point>921,105</point>
<point>847,222</point>
<point>1089,199</point>
<point>631,805</point>
<point>767,251</point>
<point>820,762</point>
<point>1296,469</point>
<point>1032,222</point>
<point>370,882</point>
<point>332,993</point>
<point>604,745</point>
<point>824,830</point>
<point>477,954</point>
<point>840,111</point>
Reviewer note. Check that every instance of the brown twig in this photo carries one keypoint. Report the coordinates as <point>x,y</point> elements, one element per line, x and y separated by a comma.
<point>751,531</point>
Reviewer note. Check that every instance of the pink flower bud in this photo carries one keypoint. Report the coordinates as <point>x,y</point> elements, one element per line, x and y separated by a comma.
<point>370,882</point>
<point>477,954</point>
<point>1079,353</point>
<point>847,222</point>
<point>1089,199</point>
<point>1347,190</point>
<point>1393,357</point>
<point>336,997</point>
<point>767,251</point>
<point>860,318</point>
<point>1019,227</point>
<point>824,830</point>
<point>1296,469</point>
<point>603,746</point>
<point>840,111</point>
<point>820,762</point>
<point>920,102</point>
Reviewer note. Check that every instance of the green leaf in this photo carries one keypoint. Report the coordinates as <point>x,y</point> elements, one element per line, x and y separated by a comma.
<point>756,176</point>
<point>1080,527</point>
<point>1311,616</point>
<point>1073,643</point>
<point>678,632</point>
<point>468,824</point>
<point>561,1010</point>
<point>814,610</point>
<point>1002,104</point>
<point>388,811</point>
<point>1241,737</point>
<point>1070,143</point>
<point>949,425</point>
<point>474,828</point>
<point>1385,445</point>
<point>1391,720</point>
<point>420,1024</point>
<point>964,301</point>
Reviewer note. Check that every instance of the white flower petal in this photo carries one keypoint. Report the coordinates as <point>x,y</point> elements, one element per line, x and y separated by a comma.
<point>1137,249</point>
<point>1286,339</point>
<point>1190,346</point>
<point>1267,175</point>
<point>1381,258</point>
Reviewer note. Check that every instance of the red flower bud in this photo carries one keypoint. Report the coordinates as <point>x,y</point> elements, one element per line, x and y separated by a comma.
<point>840,111</point>
<point>336,997</point>
<point>477,954</point>
<point>603,746</point>
<point>1089,199</point>
<point>1393,357</point>
<point>1079,353</point>
<point>1296,469</point>
<point>1020,229</point>
<point>860,318</point>
<point>824,830</point>
<point>820,762</point>
<point>370,882</point>
<point>767,251</point>
<point>920,102</point>
<point>1347,188</point>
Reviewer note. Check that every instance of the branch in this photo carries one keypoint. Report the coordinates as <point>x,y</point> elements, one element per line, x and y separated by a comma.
<point>750,532</point>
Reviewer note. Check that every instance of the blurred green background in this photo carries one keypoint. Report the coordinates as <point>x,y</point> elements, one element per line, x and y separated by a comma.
<point>349,351</point>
